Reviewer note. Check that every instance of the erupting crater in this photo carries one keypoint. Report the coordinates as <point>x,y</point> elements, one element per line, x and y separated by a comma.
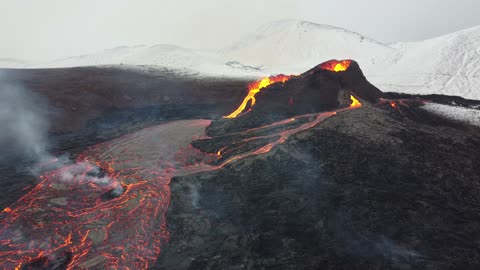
<point>335,65</point>
<point>330,86</point>
<point>256,87</point>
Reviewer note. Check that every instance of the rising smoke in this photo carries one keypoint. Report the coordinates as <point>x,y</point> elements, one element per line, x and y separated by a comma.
<point>24,125</point>
<point>24,122</point>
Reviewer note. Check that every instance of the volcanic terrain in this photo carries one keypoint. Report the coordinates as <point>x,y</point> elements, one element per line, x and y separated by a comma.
<point>319,170</point>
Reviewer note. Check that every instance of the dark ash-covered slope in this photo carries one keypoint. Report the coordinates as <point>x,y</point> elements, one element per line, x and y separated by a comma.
<point>384,186</point>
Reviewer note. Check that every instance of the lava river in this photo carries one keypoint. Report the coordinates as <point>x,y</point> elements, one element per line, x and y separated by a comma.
<point>67,219</point>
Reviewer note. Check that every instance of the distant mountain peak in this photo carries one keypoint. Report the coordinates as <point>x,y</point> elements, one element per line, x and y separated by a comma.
<point>298,26</point>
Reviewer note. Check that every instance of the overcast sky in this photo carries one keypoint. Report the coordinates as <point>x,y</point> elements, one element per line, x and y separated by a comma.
<point>48,29</point>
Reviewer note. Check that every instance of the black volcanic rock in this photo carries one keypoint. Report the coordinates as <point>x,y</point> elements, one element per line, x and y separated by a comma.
<point>370,188</point>
<point>314,91</point>
<point>387,185</point>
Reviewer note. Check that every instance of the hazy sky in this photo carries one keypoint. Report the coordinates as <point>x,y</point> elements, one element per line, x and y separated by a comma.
<point>47,29</point>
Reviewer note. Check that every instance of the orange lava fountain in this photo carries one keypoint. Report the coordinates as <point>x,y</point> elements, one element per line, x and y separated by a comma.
<point>254,88</point>
<point>336,65</point>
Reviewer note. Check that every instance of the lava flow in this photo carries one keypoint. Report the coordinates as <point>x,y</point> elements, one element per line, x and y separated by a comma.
<point>399,104</point>
<point>282,136</point>
<point>254,88</point>
<point>355,102</point>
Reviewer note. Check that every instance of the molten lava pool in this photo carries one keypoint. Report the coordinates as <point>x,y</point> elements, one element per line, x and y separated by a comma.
<point>65,217</point>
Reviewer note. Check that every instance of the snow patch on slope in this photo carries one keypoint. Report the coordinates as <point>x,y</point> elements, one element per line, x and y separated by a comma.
<point>163,55</point>
<point>466,115</point>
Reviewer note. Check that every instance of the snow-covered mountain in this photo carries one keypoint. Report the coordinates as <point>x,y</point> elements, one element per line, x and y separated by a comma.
<point>448,64</point>
<point>294,46</point>
<point>12,63</point>
<point>164,55</point>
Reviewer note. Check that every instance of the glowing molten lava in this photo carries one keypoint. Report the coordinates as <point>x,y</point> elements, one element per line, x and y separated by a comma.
<point>335,65</point>
<point>254,88</point>
<point>355,102</point>
<point>67,219</point>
